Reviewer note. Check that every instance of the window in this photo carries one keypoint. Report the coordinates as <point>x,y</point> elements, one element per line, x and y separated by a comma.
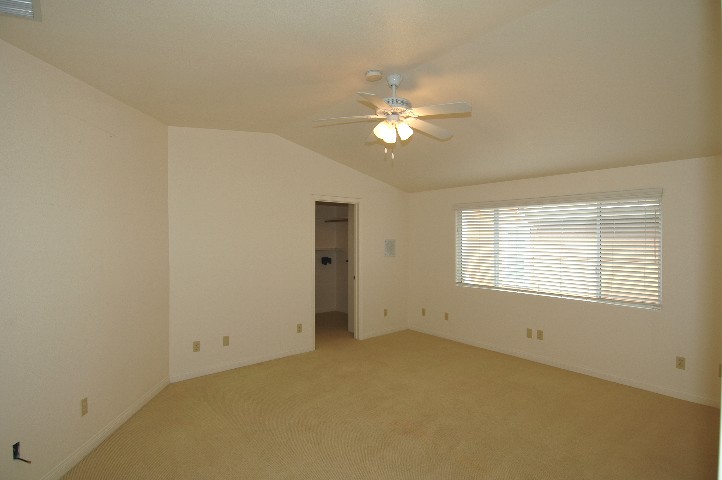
<point>20,8</point>
<point>603,248</point>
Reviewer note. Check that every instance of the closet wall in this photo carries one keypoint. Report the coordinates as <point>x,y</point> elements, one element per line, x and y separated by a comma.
<point>331,258</point>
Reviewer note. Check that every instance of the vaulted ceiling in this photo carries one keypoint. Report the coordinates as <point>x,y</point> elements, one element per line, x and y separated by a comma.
<point>556,86</point>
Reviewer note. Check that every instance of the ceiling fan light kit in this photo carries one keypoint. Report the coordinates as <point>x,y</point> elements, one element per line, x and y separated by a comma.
<point>386,132</point>
<point>387,129</point>
<point>404,130</point>
<point>398,116</point>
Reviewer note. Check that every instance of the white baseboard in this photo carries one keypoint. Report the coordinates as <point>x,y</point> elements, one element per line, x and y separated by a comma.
<point>378,333</point>
<point>63,467</point>
<point>711,402</point>
<point>179,377</point>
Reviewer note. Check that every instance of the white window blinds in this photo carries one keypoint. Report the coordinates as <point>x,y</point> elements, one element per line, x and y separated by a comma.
<point>21,8</point>
<point>604,248</point>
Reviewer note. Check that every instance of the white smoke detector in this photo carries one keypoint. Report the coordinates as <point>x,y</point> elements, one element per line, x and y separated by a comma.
<point>373,75</point>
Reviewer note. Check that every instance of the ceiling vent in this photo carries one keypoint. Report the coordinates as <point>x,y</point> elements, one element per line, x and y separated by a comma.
<point>18,8</point>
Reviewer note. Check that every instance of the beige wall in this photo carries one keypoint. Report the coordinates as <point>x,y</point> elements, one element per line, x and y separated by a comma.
<point>629,345</point>
<point>242,221</point>
<point>83,264</point>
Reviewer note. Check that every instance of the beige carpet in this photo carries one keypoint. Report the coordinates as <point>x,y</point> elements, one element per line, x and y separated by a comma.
<point>406,406</point>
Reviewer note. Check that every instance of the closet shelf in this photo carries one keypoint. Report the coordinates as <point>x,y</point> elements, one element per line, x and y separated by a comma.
<point>329,249</point>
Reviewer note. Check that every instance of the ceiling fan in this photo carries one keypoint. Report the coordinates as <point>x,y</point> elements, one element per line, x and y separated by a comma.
<point>399,117</point>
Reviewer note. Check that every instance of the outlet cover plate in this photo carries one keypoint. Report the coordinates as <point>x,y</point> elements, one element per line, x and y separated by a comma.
<point>681,363</point>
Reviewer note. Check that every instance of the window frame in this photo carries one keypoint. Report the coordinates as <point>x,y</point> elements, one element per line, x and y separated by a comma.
<point>603,200</point>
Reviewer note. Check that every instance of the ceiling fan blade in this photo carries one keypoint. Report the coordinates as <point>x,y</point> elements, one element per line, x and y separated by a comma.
<point>372,138</point>
<point>377,101</point>
<point>443,109</point>
<point>429,128</point>
<point>355,118</point>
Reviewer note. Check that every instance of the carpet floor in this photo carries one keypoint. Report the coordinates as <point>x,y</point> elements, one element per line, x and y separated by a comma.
<point>406,406</point>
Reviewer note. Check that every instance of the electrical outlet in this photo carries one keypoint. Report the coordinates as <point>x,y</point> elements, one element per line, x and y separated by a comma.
<point>84,406</point>
<point>226,340</point>
<point>446,315</point>
<point>386,312</point>
<point>681,363</point>
<point>423,312</point>
<point>540,334</point>
<point>197,346</point>
<point>529,333</point>
<point>299,327</point>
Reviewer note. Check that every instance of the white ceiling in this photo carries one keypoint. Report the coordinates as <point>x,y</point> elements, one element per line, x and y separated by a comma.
<point>556,86</point>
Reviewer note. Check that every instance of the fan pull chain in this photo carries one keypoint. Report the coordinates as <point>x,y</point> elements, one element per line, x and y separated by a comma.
<point>386,155</point>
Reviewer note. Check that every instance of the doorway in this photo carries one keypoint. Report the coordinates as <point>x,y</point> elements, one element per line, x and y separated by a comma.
<point>335,262</point>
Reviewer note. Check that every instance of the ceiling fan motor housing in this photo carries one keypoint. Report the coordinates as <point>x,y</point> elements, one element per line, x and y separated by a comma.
<point>396,105</point>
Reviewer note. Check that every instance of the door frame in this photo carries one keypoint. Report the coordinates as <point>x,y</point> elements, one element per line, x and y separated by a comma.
<point>353,273</point>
